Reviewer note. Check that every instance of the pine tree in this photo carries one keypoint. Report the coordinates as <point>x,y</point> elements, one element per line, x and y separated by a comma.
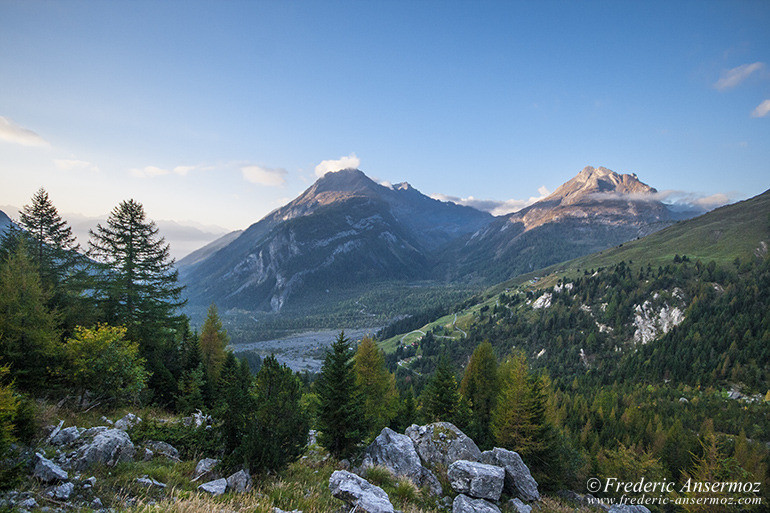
<point>213,344</point>
<point>377,385</point>
<point>137,288</point>
<point>440,398</point>
<point>479,387</point>
<point>282,425</point>
<point>340,415</point>
<point>28,335</point>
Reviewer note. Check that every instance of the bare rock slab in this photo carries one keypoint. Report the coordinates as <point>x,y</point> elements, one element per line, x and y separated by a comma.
<point>464,504</point>
<point>239,482</point>
<point>518,479</point>
<point>360,493</point>
<point>396,452</point>
<point>216,487</point>
<point>108,448</point>
<point>477,480</point>
<point>442,443</point>
<point>47,471</point>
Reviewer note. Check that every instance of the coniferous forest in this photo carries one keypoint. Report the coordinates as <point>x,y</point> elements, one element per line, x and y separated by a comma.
<point>567,375</point>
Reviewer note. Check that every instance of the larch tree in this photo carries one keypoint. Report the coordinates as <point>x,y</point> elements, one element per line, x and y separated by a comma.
<point>213,343</point>
<point>377,385</point>
<point>340,415</point>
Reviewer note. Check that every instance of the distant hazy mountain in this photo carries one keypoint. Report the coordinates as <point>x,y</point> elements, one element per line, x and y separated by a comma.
<point>344,230</point>
<point>595,210</point>
<point>5,222</point>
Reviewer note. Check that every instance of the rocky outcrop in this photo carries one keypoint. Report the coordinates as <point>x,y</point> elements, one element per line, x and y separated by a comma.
<point>130,420</point>
<point>65,436</point>
<point>108,448</point>
<point>464,504</point>
<point>163,449</point>
<point>516,506</point>
<point>204,468</point>
<point>518,479</point>
<point>477,480</point>
<point>397,453</point>
<point>441,443</point>
<point>651,323</point>
<point>359,493</point>
<point>47,471</point>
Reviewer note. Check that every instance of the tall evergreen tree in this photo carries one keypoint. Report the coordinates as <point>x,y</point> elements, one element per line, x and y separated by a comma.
<point>236,409</point>
<point>213,344</point>
<point>340,415</point>
<point>479,387</point>
<point>28,334</point>
<point>514,421</point>
<point>440,398</point>
<point>377,385</point>
<point>282,425</point>
<point>137,287</point>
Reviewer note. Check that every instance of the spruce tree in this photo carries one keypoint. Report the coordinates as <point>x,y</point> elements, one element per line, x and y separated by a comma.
<point>440,398</point>
<point>137,288</point>
<point>340,415</point>
<point>377,385</point>
<point>236,409</point>
<point>282,425</point>
<point>479,387</point>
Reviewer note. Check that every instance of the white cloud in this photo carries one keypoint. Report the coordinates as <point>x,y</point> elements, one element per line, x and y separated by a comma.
<point>75,165</point>
<point>762,110</point>
<point>677,199</point>
<point>733,77</point>
<point>272,177</point>
<point>328,166</point>
<point>153,171</point>
<point>13,133</point>
<point>495,207</point>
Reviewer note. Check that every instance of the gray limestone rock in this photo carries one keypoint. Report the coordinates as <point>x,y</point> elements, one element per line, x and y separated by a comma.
<point>441,443</point>
<point>216,487</point>
<point>63,491</point>
<point>65,436</point>
<point>127,422</point>
<point>518,479</point>
<point>108,448</point>
<point>358,492</point>
<point>239,482</point>
<point>204,468</point>
<point>396,452</point>
<point>464,504</point>
<point>519,507</point>
<point>48,471</point>
<point>477,480</point>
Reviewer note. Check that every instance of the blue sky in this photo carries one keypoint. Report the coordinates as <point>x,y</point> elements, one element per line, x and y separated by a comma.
<point>218,112</point>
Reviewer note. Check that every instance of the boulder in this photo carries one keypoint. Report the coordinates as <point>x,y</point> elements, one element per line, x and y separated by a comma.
<point>108,447</point>
<point>358,492</point>
<point>464,504</point>
<point>63,491</point>
<point>216,487</point>
<point>477,480</point>
<point>239,482</point>
<point>163,449</point>
<point>518,479</point>
<point>204,468</point>
<point>279,510</point>
<point>516,506</point>
<point>441,443</point>
<point>47,471</point>
<point>130,420</point>
<point>27,504</point>
<point>396,452</point>
<point>65,436</point>
<point>149,482</point>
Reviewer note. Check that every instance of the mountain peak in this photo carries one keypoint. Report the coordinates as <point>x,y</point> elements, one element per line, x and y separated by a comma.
<point>591,181</point>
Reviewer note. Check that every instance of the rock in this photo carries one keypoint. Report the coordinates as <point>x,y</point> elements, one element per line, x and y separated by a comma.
<point>47,471</point>
<point>477,480</point>
<point>441,443</point>
<point>127,422</point>
<point>97,503</point>
<point>149,482</point>
<point>626,508</point>
<point>344,464</point>
<point>216,487</point>
<point>279,510</point>
<point>518,479</point>
<point>54,430</point>
<point>464,504</point>
<point>312,438</point>
<point>28,503</point>
<point>108,447</point>
<point>148,454</point>
<point>204,468</point>
<point>163,449</point>
<point>239,482</point>
<point>92,432</point>
<point>65,436</point>
<point>358,492</point>
<point>63,491</point>
<point>396,452</point>
<point>516,506</point>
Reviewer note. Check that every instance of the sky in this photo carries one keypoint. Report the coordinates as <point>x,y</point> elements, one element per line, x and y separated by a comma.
<point>216,113</point>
